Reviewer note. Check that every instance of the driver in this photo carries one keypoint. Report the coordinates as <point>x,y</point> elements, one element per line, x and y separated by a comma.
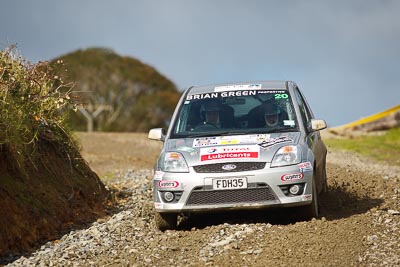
<point>211,113</point>
<point>271,115</point>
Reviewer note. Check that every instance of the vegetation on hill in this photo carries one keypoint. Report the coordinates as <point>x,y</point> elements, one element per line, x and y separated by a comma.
<point>45,185</point>
<point>128,95</point>
<point>385,147</point>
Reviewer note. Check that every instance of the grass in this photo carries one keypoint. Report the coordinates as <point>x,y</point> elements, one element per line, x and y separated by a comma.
<point>384,148</point>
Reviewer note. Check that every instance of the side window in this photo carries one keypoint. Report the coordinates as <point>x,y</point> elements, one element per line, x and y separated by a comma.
<point>305,113</point>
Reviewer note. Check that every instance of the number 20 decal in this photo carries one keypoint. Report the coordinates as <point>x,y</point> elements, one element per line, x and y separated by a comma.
<point>281,96</point>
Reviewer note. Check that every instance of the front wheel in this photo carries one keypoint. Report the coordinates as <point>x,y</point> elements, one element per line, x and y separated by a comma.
<point>166,221</point>
<point>310,211</point>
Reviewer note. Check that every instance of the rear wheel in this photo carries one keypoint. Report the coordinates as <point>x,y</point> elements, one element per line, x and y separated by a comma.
<point>310,211</point>
<point>166,221</point>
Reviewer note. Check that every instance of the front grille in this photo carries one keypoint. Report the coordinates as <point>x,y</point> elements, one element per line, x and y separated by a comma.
<point>249,195</point>
<point>240,167</point>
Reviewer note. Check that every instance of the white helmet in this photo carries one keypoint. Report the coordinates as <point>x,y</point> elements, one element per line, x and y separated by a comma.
<point>271,114</point>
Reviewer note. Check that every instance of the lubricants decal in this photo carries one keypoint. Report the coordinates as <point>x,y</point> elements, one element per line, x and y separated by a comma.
<point>229,152</point>
<point>292,177</point>
<point>168,184</point>
<point>305,166</point>
<point>274,141</point>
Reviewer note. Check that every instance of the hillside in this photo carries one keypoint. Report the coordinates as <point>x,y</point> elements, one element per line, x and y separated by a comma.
<point>133,95</point>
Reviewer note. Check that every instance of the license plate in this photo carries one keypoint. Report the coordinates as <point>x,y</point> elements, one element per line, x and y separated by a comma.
<point>229,183</point>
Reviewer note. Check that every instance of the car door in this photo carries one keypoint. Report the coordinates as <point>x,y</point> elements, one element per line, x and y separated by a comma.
<point>313,139</point>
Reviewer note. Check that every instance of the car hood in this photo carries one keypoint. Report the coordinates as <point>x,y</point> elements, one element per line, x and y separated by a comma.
<point>217,149</point>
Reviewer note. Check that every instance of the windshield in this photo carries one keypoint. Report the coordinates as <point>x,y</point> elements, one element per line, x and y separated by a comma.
<point>237,112</point>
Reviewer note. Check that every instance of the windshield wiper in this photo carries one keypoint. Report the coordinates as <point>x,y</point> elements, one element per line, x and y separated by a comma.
<point>273,130</point>
<point>216,134</point>
<point>284,130</point>
<point>196,135</point>
<point>262,131</point>
<point>230,133</point>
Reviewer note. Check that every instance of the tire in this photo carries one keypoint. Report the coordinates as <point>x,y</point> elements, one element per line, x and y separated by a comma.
<point>166,221</point>
<point>310,211</point>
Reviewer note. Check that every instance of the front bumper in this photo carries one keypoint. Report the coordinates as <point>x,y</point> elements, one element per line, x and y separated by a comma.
<point>193,192</point>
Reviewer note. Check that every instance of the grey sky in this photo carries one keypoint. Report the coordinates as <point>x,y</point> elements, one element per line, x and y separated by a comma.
<point>343,54</point>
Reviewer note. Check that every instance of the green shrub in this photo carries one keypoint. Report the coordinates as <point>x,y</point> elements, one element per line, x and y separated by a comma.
<point>32,99</point>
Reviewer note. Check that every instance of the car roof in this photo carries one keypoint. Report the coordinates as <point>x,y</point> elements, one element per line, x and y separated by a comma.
<point>231,86</point>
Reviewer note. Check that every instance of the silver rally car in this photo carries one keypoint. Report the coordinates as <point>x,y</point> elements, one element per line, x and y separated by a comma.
<point>239,146</point>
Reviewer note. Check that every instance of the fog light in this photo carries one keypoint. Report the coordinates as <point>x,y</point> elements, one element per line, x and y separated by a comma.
<point>169,196</point>
<point>294,189</point>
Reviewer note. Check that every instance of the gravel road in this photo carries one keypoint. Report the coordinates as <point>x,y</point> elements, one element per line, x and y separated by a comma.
<point>359,223</point>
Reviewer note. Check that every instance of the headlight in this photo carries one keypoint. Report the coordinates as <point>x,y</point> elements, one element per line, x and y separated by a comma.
<point>174,162</point>
<point>286,155</point>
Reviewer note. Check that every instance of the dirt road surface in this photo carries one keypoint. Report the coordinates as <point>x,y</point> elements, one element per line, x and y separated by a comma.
<point>359,223</point>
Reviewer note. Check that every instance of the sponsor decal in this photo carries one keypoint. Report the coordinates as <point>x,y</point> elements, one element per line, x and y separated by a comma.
<point>224,92</point>
<point>158,205</point>
<point>306,197</point>
<point>289,123</point>
<point>230,140</point>
<point>271,92</point>
<point>158,175</point>
<point>212,150</point>
<point>205,141</point>
<point>305,166</point>
<point>292,177</point>
<point>229,152</point>
<point>237,87</point>
<point>168,184</point>
<point>274,141</point>
<point>260,138</point>
<point>220,95</point>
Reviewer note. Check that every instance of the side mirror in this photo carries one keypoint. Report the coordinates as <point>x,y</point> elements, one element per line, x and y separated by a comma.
<point>317,125</point>
<point>156,134</point>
